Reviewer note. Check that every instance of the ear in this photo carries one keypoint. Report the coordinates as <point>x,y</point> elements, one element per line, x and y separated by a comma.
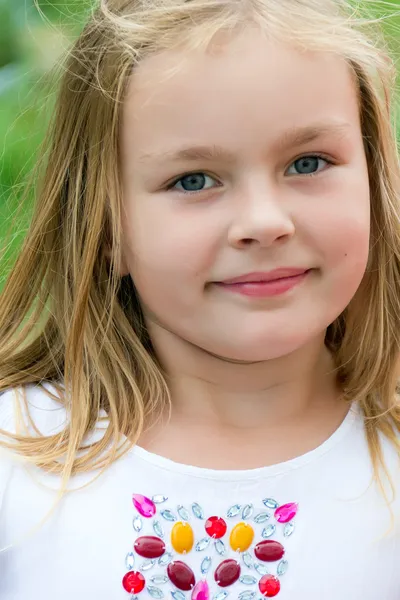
<point>123,270</point>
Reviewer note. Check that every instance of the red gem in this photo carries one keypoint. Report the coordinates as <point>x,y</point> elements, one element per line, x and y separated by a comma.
<point>133,582</point>
<point>269,586</point>
<point>216,527</point>
<point>149,546</point>
<point>227,572</point>
<point>269,551</point>
<point>181,575</point>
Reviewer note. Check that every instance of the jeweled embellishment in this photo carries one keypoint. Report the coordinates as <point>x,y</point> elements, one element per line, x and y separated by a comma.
<point>233,511</point>
<point>247,595</point>
<point>220,547</point>
<point>158,529</point>
<point>282,567</point>
<point>286,512</point>
<point>269,551</point>
<point>202,544</point>
<point>183,513</point>
<point>178,595</point>
<point>165,559</point>
<point>221,596</point>
<point>247,511</point>
<point>268,531</point>
<point>270,503</point>
<point>201,591</point>
<point>130,561</point>
<point>133,582</point>
<point>147,565</point>
<point>227,573</point>
<point>197,511</point>
<point>248,561</point>
<point>262,517</point>
<point>159,579</point>
<point>248,580</point>
<point>155,592</point>
<point>144,506</point>
<point>205,565</point>
<point>241,537</point>
<point>288,529</point>
<point>149,546</point>
<point>182,537</point>
<point>261,568</point>
<point>168,515</point>
<point>137,524</point>
<point>216,527</point>
<point>269,586</point>
<point>181,575</point>
<point>159,499</point>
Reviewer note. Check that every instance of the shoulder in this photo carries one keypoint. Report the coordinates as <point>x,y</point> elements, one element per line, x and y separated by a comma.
<point>34,410</point>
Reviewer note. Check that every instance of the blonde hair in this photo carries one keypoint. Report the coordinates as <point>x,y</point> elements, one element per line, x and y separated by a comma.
<point>66,316</point>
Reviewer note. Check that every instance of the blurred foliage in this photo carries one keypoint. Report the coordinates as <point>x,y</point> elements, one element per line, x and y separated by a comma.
<point>33,36</point>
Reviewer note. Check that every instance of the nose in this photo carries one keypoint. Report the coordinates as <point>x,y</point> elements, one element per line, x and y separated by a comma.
<point>260,217</point>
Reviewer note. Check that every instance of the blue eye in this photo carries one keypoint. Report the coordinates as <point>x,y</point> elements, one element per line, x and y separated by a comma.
<point>308,165</point>
<point>193,182</point>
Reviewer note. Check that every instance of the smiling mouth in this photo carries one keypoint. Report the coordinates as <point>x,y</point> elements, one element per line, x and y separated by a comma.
<point>264,285</point>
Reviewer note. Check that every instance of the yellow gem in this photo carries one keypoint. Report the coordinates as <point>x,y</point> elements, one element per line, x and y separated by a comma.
<point>182,537</point>
<point>241,538</point>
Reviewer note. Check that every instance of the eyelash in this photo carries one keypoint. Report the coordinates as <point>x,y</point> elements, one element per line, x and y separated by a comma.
<point>315,155</point>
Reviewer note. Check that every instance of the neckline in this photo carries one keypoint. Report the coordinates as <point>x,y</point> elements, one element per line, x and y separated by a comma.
<point>167,464</point>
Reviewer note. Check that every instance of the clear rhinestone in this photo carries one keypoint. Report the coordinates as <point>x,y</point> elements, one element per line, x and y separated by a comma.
<point>133,597</point>
<point>158,529</point>
<point>268,531</point>
<point>247,596</point>
<point>197,511</point>
<point>205,565</point>
<point>155,592</point>
<point>262,517</point>
<point>220,547</point>
<point>270,503</point>
<point>247,511</point>
<point>178,595</point>
<point>282,567</point>
<point>234,511</point>
<point>262,569</point>
<point>221,596</point>
<point>165,559</point>
<point>147,565</point>
<point>168,515</point>
<point>130,561</point>
<point>248,561</point>
<point>248,580</point>
<point>159,579</point>
<point>159,499</point>
<point>137,524</point>
<point>183,513</point>
<point>288,529</point>
<point>202,544</point>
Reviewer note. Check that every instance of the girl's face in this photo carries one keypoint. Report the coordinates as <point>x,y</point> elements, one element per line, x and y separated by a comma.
<point>240,161</point>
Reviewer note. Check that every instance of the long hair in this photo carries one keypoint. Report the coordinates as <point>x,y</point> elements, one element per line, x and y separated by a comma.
<point>66,316</point>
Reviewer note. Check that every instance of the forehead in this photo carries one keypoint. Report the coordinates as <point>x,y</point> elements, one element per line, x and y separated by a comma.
<point>234,91</point>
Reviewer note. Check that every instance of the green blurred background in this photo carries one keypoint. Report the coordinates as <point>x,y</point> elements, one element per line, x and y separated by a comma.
<point>33,37</point>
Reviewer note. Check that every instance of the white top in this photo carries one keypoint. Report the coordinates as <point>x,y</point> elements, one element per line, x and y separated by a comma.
<point>343,545</point>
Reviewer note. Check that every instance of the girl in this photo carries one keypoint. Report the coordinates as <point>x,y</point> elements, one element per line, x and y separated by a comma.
<point>200,338</point>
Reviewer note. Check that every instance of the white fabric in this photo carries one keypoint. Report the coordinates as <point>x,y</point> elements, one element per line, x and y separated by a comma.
<point>344,545</point>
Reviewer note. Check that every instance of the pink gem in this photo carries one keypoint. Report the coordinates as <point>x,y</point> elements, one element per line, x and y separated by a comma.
<point>201,591</point>
<point>286,512</point>
<point>144,506</point>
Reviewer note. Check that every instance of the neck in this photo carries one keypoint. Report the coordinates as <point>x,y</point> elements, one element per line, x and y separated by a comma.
<point>235,402</point>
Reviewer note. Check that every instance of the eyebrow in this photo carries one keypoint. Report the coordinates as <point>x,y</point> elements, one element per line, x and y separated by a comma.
<point>296,136</point>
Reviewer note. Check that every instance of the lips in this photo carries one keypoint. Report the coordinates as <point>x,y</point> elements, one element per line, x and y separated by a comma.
<point>263,277</point>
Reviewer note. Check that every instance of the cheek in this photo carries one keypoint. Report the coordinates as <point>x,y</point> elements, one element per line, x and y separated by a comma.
<point>167,248</point>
